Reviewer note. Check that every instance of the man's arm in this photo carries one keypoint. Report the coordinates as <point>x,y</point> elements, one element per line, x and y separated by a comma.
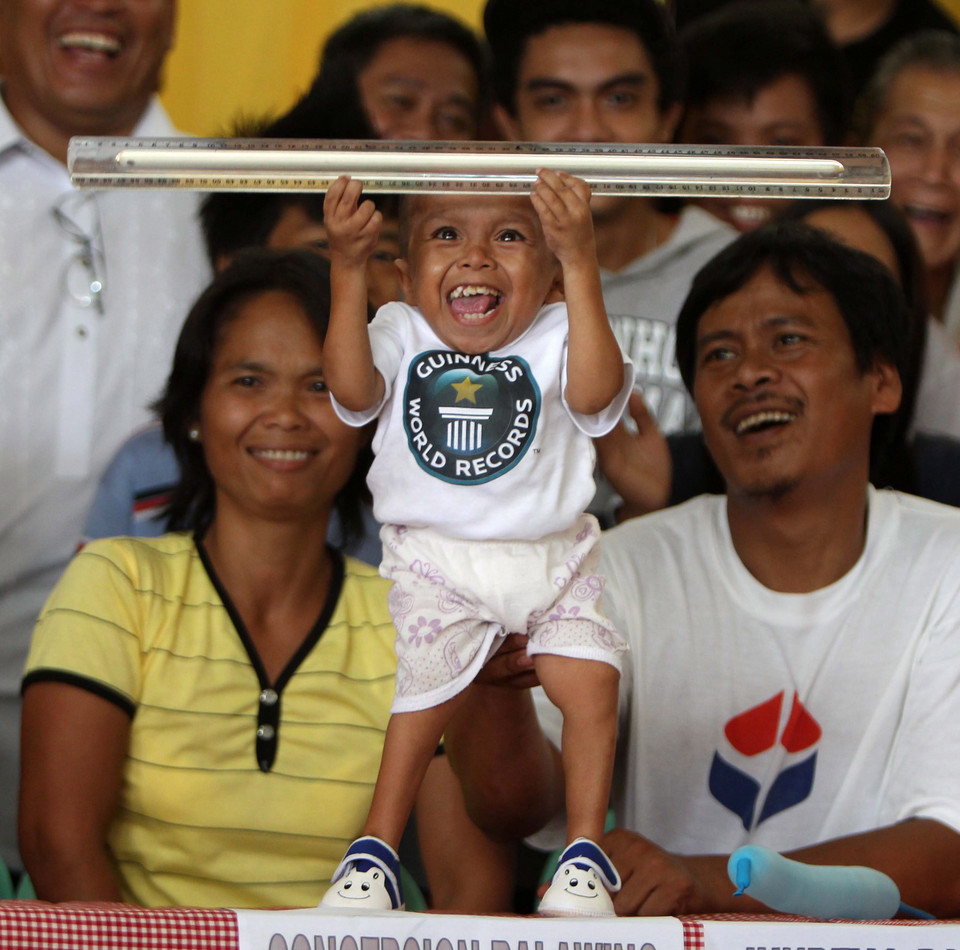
<point>510,772</point>
<point>921,855</point>
<point>594,361</point>
<point>347,358</point>
<point>481,885</point>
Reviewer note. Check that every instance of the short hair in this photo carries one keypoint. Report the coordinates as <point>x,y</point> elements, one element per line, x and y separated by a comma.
<point>351,47</point>
<point>938,50</point>
<point>305,276</point>
<point>233,221</point>
<point>509,25</point>
<point>739,50</point>
<point>867,295</point>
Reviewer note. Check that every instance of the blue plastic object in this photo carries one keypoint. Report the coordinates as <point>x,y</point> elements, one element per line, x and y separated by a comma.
<point>826,891</point>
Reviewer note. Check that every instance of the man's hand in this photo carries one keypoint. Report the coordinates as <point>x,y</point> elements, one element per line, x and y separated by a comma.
<point>637,464</point>
<point>510,666</point>
<point>351,229</point>
<point>655,882</point>
<point>562,203</point>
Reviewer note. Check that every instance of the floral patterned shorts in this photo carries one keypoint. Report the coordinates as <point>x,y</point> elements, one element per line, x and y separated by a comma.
<point>453,601</point>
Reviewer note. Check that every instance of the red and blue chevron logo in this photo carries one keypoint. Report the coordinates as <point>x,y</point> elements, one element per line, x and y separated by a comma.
<point>753,733</point>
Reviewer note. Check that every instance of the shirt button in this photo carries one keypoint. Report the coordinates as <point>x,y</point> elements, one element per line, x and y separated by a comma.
<point>266,732</point>
<point>268,697</point>
<point>82,332</point>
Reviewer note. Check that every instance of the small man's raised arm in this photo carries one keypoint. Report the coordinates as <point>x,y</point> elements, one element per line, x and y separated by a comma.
<point>594,361</point>
<point>352,230</point>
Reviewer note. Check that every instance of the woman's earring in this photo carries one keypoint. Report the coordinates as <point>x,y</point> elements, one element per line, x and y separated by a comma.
<point>194,434</point>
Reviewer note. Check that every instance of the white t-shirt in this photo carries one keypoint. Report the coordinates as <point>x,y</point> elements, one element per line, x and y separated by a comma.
<point>479,446</point>
<point>938,397</point>
<point>643,301</point>
<point>785,719</point>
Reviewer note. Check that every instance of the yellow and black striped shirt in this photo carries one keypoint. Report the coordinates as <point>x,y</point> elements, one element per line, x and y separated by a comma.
<point>210,815</point>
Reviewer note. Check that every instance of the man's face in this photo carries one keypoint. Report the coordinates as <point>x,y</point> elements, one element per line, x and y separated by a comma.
<point>478,269</point>
<point>920,131</point>
<point>83,66</point>
<point>781,398</point>
<point>782,113</point>
<point>587,82</point>
<point>420,89</point>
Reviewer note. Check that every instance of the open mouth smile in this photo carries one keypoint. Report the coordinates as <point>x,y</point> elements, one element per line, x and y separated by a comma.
<point>926,214</point>
<point>91,41</point>
<point>760,421</point>
<point>748,217</point>
<point>473,301</point>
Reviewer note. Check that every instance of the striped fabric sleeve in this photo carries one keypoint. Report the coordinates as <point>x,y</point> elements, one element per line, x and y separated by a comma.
<point>89,631</point>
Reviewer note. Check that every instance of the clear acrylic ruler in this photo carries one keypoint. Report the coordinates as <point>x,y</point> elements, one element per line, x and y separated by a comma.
<point>477,167</point>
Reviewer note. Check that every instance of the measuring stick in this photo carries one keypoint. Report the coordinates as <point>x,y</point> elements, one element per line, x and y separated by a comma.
<point>476,167</point>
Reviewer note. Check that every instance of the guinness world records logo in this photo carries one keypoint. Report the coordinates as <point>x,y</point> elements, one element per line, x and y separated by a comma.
<point>469,418</point>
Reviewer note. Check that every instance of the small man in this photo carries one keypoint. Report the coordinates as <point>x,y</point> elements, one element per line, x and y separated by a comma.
<point>488,392</point>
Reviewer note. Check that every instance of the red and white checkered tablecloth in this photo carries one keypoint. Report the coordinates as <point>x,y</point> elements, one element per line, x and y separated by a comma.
<point>38,925</point>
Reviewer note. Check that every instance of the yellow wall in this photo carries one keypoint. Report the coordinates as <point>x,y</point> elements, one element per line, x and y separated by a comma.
<point>255,57</point>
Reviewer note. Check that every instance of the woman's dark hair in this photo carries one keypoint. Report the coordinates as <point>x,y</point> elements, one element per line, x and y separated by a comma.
<point>805,258</point>
<point>305,276</point>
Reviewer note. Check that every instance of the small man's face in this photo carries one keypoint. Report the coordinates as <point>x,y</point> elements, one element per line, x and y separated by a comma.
<point>82,66</point>
<point>920,131</point>
<point>479,269</point>
<point>421,90</point>
<point>782,113</point>
<point>781,398</point>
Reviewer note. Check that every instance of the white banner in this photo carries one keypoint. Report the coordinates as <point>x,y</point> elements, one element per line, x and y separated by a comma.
<point>313,929</point>
<point>798,935</point>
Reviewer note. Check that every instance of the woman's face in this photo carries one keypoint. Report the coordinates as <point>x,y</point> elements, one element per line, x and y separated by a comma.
<point>919,129</point>
<point>415,88</point>
<point>273,445</point>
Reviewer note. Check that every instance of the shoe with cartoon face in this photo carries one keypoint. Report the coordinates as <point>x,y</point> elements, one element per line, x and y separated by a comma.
<point>368,878</point>
<point>582,884</point>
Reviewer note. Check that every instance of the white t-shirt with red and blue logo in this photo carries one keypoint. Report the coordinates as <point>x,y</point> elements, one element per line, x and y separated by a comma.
<point>751,716</point>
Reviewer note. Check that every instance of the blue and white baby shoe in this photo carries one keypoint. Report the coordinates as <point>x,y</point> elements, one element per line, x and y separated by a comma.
<point>368,878</point>
<point>581,887</point>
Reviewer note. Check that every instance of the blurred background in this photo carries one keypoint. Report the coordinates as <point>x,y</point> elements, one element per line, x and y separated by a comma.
<point>249,58</point>
<point>254,57</point>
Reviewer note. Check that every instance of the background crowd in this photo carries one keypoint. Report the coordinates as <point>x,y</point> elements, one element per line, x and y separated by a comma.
<point>204,697</point>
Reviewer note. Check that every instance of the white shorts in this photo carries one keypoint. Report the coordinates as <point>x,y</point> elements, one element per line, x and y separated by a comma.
<point>453,601</point>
